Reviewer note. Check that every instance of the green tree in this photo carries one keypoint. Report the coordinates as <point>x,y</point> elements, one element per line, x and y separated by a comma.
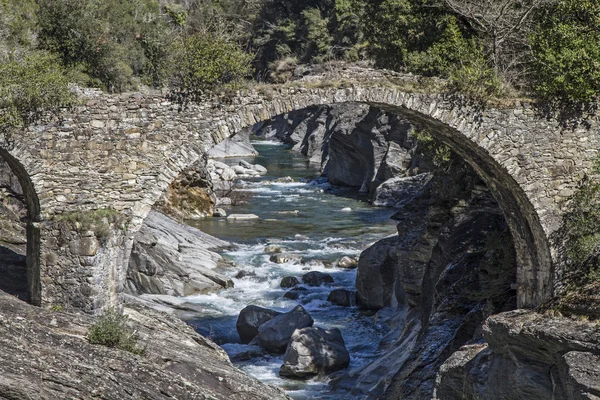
<point>18,27</point>
<point>207,61</point>
<point>30,86</point>
<point>566,47</point>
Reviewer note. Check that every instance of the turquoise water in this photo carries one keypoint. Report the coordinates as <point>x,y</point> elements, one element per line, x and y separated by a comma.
<point>310,218</point>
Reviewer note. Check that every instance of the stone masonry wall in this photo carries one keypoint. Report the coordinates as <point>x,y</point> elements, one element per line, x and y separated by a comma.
<point>122,152</point>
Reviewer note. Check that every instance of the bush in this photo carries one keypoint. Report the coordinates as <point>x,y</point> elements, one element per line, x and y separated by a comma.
<point>566,48</point>
<point>29,86</point>
<point>207,61</point>
<point>579,236</point>
<point>111,330</point>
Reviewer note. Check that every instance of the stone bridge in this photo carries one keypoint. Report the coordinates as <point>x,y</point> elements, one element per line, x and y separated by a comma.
<point>122,152</point>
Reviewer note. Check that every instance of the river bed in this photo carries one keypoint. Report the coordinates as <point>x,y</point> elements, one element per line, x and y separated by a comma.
<point>308,217</point>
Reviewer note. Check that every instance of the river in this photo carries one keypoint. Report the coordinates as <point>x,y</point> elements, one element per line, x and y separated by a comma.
<point>308,217</point>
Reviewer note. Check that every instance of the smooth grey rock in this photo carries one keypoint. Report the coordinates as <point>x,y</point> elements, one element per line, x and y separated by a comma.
<point>342,297</point>
<point>174,259</point>
<point>249,320</point>
<point>314,351</point>
<point>289,282</point>
<point>237,145</point>
<point>348,263</point>
<point>274,335</point>
<point>272,248</point>
<point>242,217</point>
<point>316,278</point>
<point>219,212</point>
<point>397,191</point>
<point>46,355</point>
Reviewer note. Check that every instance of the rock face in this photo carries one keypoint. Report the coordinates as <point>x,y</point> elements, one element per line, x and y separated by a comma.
<point>314,351</point>
<point>451,265</point>
<point>250,319</point>
<point>316,278</point>
<point>527,356</point>
<point>46,355</point>
<point>237,145</point>
<point>174,259</point>
<point>356,145</point>
<point>274,335</point>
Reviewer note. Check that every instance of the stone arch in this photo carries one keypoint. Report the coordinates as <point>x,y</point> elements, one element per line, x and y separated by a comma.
<point>33,256</point>
<point>460,131</point>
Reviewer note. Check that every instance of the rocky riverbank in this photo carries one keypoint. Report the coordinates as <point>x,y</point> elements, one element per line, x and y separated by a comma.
<point>45,354</point>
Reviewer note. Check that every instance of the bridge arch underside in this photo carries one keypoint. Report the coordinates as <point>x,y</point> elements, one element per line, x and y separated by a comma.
<point>33,252</point>
<point>535,271</point>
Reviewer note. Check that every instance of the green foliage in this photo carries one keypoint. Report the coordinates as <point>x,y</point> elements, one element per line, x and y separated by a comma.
<point>111,331</point>
<point>579,235</point>
<point>566,47</point>
<point>438,153</point>
<point>28,86</point>
<point>18,26</point>
<point>207,61</point>
<point>111,41</point>
<point>101,222</point>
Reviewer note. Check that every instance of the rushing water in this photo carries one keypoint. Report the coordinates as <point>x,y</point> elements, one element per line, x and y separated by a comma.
<point>321,231</point>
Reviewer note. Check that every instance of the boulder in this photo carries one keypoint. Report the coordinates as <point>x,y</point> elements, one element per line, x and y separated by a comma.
<point>249,320</point>
<point>272,248</point>
<point>246,164</point>
<point>260,169</point>
<point>242,217</point>
<point>342,297</point>
<point>289,281</point>
<point>347,263</point>
<point>398,191</point>
<point>219,212</point>
<point>174,259</point>
<point>314,351</point>
<point>282,258</point>
<point>316,278</point>
<point>237,145</point>
<point>295,293</point>
<point>274,335</point>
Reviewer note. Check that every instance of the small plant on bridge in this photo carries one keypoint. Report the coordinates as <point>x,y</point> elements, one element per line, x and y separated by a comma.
<point>111,330</point>
<point>101,222</point>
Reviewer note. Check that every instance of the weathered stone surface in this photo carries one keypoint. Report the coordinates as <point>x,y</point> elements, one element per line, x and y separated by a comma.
<point>530,356</point>
<point>174,259</point>
<point>274,335</point>
<point>250,318</point>
<point>316,278</point>
<point>314,351</point>
<point>237,145</point>
<point>46,355</point>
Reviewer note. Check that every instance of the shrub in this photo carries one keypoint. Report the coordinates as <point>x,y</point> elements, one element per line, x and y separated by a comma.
<point>579,236</point>
<point>29,86</point>
<point>207,61</point>
<point>101,222</point>
<point>111,330</point>
<point>566,48</point>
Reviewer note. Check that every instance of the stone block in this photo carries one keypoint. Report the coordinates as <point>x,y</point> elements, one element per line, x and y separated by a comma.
<point>87,246</point>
